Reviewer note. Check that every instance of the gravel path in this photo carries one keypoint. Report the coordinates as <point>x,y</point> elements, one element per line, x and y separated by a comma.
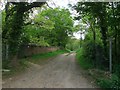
<point>61,72</point>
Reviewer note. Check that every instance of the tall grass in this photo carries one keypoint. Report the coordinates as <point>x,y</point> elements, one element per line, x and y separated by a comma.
<point>84,63</point>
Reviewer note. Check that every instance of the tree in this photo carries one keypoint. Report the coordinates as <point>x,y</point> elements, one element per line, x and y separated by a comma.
<point>103,18</point>
<point>14,20</point>
<point>38,31</point>
<point>98,11</point>
<point>63,24</point>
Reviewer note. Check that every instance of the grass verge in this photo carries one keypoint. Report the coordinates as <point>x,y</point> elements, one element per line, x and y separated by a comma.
<point>39,57</point>
<point>103,79</point>
<point>85,64</point>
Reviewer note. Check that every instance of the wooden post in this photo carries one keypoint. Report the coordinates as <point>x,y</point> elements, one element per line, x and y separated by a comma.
<point>80,40</point>
<point>6,52</point>
<point>110,55</point>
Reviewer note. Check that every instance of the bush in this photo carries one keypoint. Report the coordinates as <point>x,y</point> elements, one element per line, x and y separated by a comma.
<point>113,82</point>
<point>116,70</point>
<point>6,64</point>
<point>84,63</point>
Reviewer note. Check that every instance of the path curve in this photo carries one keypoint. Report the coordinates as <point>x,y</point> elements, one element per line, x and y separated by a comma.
<point>61,72</point>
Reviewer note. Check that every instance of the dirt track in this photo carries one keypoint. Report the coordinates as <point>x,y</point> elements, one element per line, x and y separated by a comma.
<point>61,72</point>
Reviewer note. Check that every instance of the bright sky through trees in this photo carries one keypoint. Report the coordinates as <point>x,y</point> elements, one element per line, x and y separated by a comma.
<point>64,4</point>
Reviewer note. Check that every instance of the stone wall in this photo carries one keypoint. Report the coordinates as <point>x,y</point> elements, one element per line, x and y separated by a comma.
<point>31,50</point>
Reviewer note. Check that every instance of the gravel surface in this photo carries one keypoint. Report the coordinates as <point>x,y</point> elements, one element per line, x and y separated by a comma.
<point>61,72</point>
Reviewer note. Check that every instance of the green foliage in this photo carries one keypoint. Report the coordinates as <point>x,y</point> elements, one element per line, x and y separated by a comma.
<point>73,44</point>
<point>38,57</point>
<point>112,83</point>
<point>116,70</point>
<point>50,27</point>
<point>15,15</point>
<point>63,24</point>
<point>3,19</point>
<point>34,35</point>
<point>47,28</point>
<point>102,18</point>
<point>93,50</point>
<point>43,22</point>
<point>84,63</point>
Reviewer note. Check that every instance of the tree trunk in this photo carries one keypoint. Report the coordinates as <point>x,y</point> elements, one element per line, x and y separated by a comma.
<point>115,27</point>
<point>94,51</point>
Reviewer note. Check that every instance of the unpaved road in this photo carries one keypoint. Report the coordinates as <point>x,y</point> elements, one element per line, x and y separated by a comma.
<point>61,72</point>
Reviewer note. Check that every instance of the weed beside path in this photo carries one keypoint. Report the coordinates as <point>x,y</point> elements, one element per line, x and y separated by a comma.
<point>102,78</point>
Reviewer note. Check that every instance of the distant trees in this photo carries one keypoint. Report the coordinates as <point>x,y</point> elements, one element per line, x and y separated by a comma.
<point>73,44</point>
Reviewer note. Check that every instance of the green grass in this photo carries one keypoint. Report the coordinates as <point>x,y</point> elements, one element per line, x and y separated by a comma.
<point>40,57</point>
<point>85,64</point>
<point>47,55</point>
<point>113,82</point>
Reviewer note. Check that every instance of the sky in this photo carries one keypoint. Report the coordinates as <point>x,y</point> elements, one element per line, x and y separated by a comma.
<point>64,3</point>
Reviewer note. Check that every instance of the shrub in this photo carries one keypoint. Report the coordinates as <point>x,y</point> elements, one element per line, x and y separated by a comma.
<point>113,82</point>
<point>85,64</point>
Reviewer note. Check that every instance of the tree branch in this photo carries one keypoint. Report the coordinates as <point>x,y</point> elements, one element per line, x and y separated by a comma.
<point>34,4</point>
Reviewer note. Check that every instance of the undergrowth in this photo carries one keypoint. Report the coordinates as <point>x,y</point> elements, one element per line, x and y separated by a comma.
<point>102,78</point>
<point>84,63</point>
